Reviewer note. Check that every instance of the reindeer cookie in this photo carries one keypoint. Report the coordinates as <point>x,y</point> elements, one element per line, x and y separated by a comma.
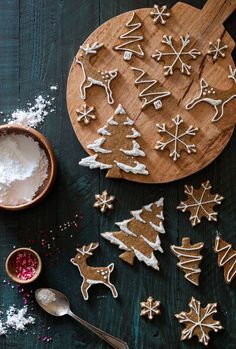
<point>92,275</point>
<point>214,97</point>
<point>93,76</point>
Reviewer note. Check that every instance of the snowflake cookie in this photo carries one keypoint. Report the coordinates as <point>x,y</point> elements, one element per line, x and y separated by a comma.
<point>92,75</point>
<point>199,321</point>
<point>150,308</point>
<point>131,45</point>
<point>92,275</point>
<point>189,259</point>
<point>149,90</point>
<point>176,138</point>
<point>85,114</point>
<point>104,201</point>
<point>216,50</point>
<point>117,149</point>
<point>200,203</point>
<point>214,97</point>
<point>160,14</point>
<point>226,258</point>
<point>139,236</point>
<point>177,57</point>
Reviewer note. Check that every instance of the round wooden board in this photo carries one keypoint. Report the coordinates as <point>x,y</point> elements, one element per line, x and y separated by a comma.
<point>211,137</point>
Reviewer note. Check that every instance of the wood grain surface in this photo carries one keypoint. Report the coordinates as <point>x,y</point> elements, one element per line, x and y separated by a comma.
<point>203,26</point>
<point>38,42</point>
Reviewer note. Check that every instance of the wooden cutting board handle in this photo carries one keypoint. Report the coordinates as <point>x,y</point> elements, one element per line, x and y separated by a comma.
<point>217,11</point>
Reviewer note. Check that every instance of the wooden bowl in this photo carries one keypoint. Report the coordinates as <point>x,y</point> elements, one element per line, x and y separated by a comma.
<point>44,144</point>
<point>11,267</point>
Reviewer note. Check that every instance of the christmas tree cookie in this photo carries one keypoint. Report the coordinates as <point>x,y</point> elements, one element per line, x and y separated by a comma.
<point>117,149</point>
<point>226,258</point>
<point>189,259</point>
<point>131,39</point>
<point>139,236</point>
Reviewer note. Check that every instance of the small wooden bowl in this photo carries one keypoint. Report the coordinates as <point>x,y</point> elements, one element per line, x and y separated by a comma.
<point>11,267</point>
<point>44,144</point>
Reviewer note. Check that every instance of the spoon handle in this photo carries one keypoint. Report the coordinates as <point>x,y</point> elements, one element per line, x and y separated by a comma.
<point>113,341</point>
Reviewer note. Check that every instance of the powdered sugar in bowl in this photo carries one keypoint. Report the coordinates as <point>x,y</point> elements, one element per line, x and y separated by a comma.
<point>27,167</point>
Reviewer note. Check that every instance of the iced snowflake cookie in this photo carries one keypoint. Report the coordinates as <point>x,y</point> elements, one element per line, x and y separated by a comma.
<point>176,56</point>
<point>214,97</point>
<point>199,321</point>
<point>139,236</point>
<point>150,308</point>
<point>92,75</point>
<point>85,114</point>
<point>92,275</point>
<point>149,90</point>
<point>176,138</point>
<point>131,39</point>
<point>104,201</point>
<point>200,203</point>
<point>216,50</point>
<point>189,259</point>
<point>117,149</point>
<point>160,14</point>
<point>226,258</point>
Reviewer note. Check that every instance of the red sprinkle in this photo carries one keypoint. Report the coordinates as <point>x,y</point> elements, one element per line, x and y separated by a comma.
<point>26,265</point>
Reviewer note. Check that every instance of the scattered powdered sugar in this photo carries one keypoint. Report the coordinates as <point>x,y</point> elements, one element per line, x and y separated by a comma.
<point>53,87</point>
<point>16,319</point>
<point>46,296</point>
<point>35,114</point>
<point>23,169</point>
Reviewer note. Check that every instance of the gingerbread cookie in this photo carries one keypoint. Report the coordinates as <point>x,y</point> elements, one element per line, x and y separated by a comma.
<point>160,14</point>
<point>176,56</point>
<point>104,201</point>
<point>149,90</point>
<point>85,114</point>
<point>140,236</point>
<point>150,308</point>
<point>216,50</point>
<point>131,45</point>
<point>92,275</point>
<point>117,149</point>
<point>226,258</point>
<point>176,138</point>
<point>92,75</point>
<point>214,97</point>
<point>199,321</point>
<point>189,259</point>
<point>200,203</point>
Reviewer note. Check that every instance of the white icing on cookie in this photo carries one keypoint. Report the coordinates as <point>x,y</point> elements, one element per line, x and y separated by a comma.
<point>136,151</point>
<point>138,169</point>
<point>120,110</point>
<point>156,246</point>
<point>103,131</point>
<point>112,122</point>
<point>128,122</point>
<point>96,146</point>
<point>150,261</point>
<point>91,162</point>
<point>134,134</point>
<point>137,215</point>
<point>124,227</point>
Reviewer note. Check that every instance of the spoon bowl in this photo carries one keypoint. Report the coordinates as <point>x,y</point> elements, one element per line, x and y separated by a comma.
<point>58,307</point>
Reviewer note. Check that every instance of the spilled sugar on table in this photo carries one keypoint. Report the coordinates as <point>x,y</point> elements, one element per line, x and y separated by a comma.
<point>38,43</point>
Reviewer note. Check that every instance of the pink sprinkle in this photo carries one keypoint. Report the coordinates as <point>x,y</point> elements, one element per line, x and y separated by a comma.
<point>26,265</point>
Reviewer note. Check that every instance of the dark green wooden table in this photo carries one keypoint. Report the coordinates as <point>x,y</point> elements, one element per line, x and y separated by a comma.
<point>38,40</point>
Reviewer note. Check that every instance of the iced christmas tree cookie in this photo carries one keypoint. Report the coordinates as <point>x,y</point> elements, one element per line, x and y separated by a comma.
<point>226,258</point>
<point>150,91</point>
<point>189,259</point>
<point>117,149</point>
<point>139,236</point>
<point>131,39</point>
<point>199,321</point>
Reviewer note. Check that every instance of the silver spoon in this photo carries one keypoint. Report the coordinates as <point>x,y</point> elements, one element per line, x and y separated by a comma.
<point>60,306</point>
